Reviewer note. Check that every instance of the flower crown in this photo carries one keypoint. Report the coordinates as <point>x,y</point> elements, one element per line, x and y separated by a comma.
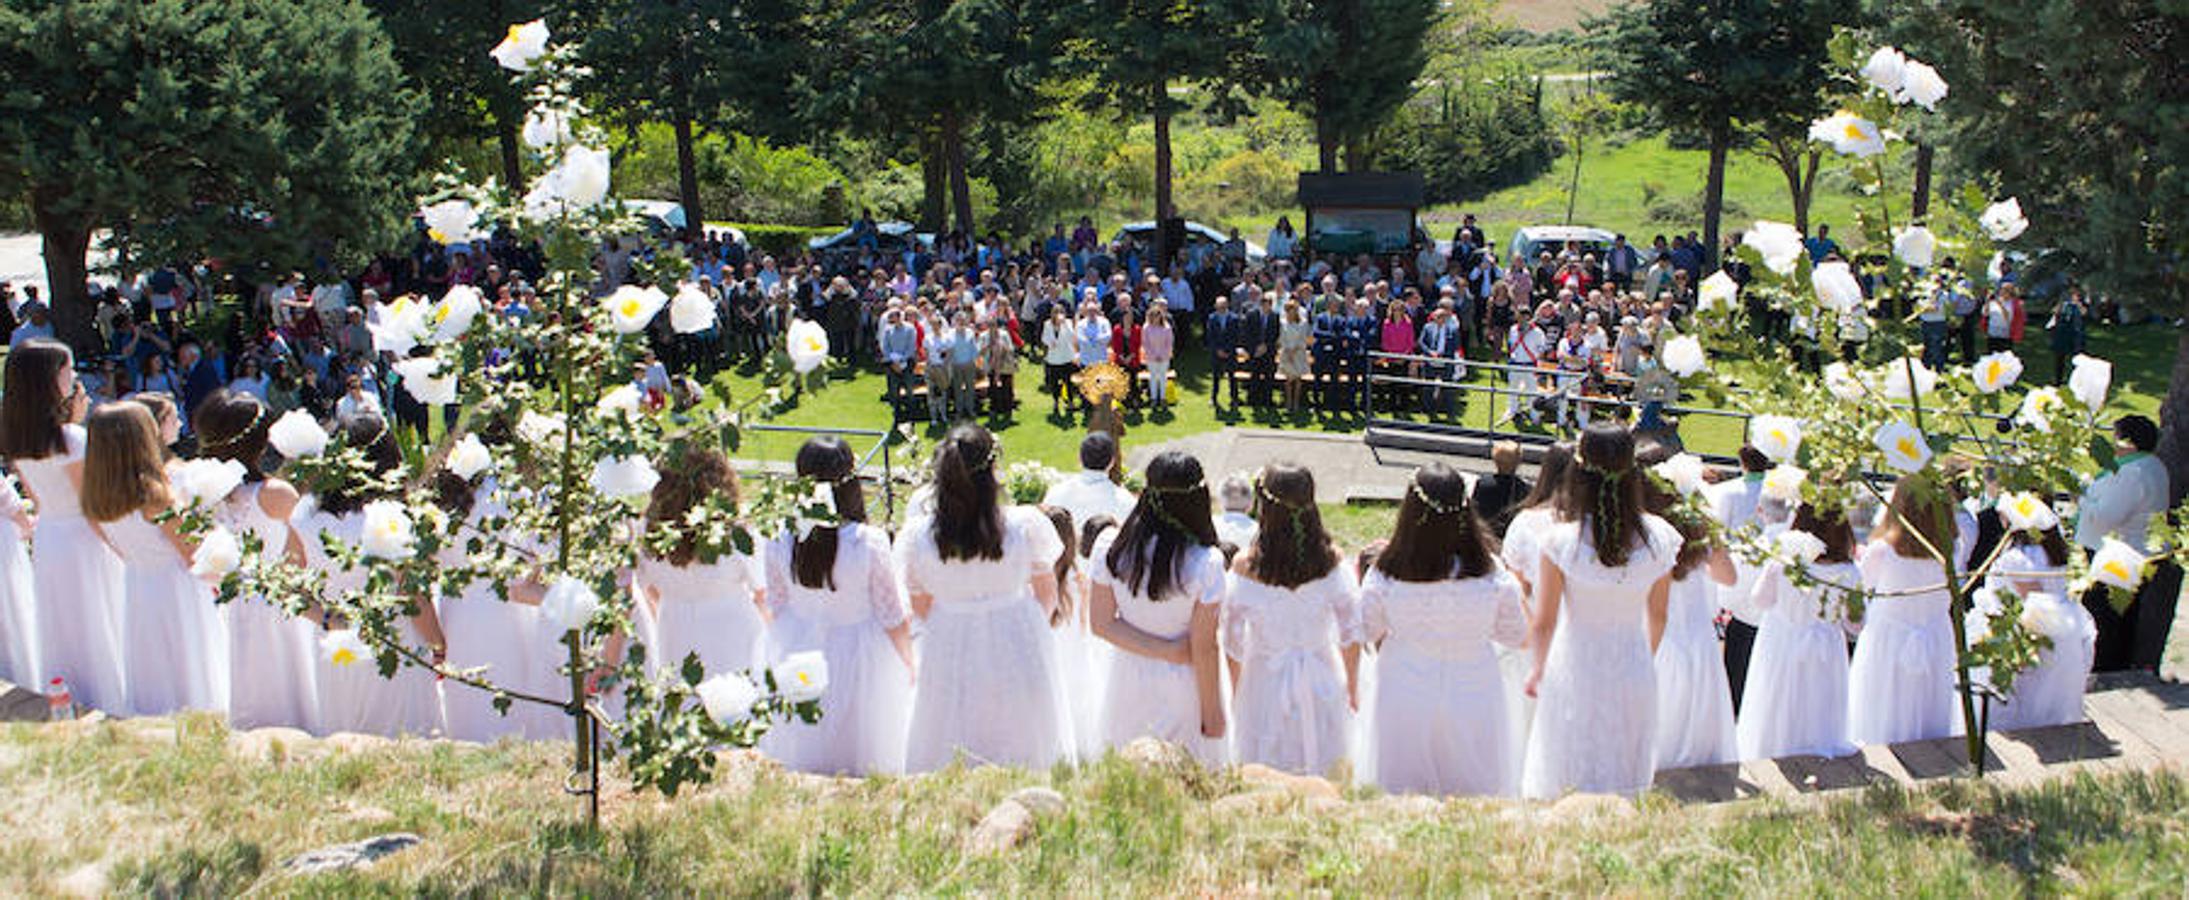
<point>258,414</point>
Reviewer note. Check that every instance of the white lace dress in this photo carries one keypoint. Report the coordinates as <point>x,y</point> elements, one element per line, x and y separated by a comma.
<point>354,697</point>
<point>1901,684</point>
<point>704,608</point>
<point>273,676</point>
<point>1796,699</point>
<point>2050,692</point>
<point>18,604</point>
<point>1694,702</point>
<point>989,684</point>
<point>1440,720</point>
<point>868,704</point>
<point>77,581</point>
<point>1148,697</point>
<point>493,635</point>
<point>1292,710</point>
<point>171,631</point>
<point>1522,553</point>
<point>1596,705</point>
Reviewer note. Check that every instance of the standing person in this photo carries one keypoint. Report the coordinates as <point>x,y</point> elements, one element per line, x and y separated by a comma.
<point>1060,356</point>
<point>1290,618</point>
<point>1260,325</point>
<point>1795,701</point>
<point>703,601</point>
<point>999,359</point>
<point>1525,346</point>
<point>1125,345</point>
<point>1157,585</point>
<point>1093,491</point>
<point>1901,684</point>
<point>272,674</point>
<point>2068,330</point>
<point>1999,320</point>
<point>484,631</point>
<point>2050,692</point>
<point>1293,338</point>
<point>76,578</point>
<point>1433,605</point>
<point>1094,336</point>
<point>1222,340</point>
<point>834,590</point>
<point>18,605</point>
<point>171,634</point>
<point>1440,339</point>
<point>1605,580</point>
<point>937,370</point>
<point>983,579</point>
<point>900,348</point>
<point>1735,506</point>
<point>2120,503</point>
<point>1497,496</point>
<point>964,345</point>
<point>1158,346</point>
<point>1694,705</point>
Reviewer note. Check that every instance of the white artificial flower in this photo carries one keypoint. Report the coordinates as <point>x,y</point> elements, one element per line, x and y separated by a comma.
<point>403,323</point>
<point>1683,356</point>
<point>342,647</point>
<point>728,698</point>
<point>801,677</point>
<point>1848,133</point>
<point>807,344</point>
<point>2004,220</point>
<point>2026,511</point>
<point>217,555</point>
<point>1800,546</point>
<point>823,497</point>
<point>1779,437</point>
<point>579,181</point>
<point>388,531</point>
<point>1719,291</point>
<point>1997,371</point>
<point>452,222</point>
<point>1841,380</point>
<point>1779,243</point>
<point>544,430</point>
<point>1916,246</point>
<point>424,380</point>
<point>623,399</point>
<point>525,43</point>
<point>2038,408</point>
<point>569,604</point>
<point>1885,70</point>
<point>296,435</point>
<point>624,476</point>
<point>2047,619</point>
<point>2117,564</point>
<point>1836,287</point>
<point>469,457</point>
<point>1921,85</point>
<point>631,308</point>
<point>2089,380</point>
<point>207,481</point>
<point>691,310</point>
<point>546,128</point>
<point>455,312</point>
<point>1904,447</point>
<point>1684,472</point>
<point>1894,379</point>
<point>1783,483</point>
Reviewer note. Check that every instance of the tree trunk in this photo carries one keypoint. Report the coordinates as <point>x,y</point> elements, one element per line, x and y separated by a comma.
<point>932,188</point>
<point>687,180</point>
<point>505,133</point>
<point>1356,155</point>
<point>1164,208</point>
<point>2173,415</point>
<point>1791,156</point>
<point>1919,206</point>
<point>961,188</point>
<point>1721,140</point>
<point>1326,139</point>
<point>65,242</point>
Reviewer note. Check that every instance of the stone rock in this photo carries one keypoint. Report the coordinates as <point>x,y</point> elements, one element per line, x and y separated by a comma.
<point>1577,807</point>
<point>343,857</point>
<point>1263,801</point>
<point>1040,801</point>
<point>1001,829</point>
<point>1414,805</point>
<point>1151,753</point>
<point>353,742</point>
<point>267,744</point>
<point>85,881</point>
<point>1297,785</point>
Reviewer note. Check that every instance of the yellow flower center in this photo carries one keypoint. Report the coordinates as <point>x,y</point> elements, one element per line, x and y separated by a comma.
<point>2116,570</point>
<point>1778,435</point>
<point>1854,132</point>
<point>1907,447</point>
<point>438,236</point>
<point>804,678</point>
<point>516,34</point>
<point>343,656</point>
<point>629,309</point>
<point>1992,372</point>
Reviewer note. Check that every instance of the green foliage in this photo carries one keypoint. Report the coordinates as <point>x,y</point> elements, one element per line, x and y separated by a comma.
<point>741,178</point>
<point>1347,64</point>
<point>1467,142</point>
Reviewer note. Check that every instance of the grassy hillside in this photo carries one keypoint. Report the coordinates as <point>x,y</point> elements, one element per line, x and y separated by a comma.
<point>1543,16</point>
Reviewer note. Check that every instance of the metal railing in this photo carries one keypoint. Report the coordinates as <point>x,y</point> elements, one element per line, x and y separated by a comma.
<point>865,461</point>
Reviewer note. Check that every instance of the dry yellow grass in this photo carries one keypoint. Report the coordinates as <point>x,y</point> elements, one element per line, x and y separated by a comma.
<point>1544,16</point>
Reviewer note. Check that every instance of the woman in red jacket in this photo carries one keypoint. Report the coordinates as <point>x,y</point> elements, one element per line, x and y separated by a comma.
<point>1125,351</point>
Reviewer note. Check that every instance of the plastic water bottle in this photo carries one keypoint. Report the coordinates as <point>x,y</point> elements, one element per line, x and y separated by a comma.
<point>60,706</point>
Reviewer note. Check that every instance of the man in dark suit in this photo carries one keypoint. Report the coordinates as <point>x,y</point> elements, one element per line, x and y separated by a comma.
<point>1222,338</point>
<point>1260,337</point>
<point>1329,342</point>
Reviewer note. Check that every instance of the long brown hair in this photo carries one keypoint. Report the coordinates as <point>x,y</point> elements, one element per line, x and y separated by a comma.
<point>827,460</point>
<point>1922,503</point>
<point>1061,519</point>
<point>368,434</point>
<point>1550,475</point>
<point>124,464</point>
<point>1438,535</point>
<point>1170,518</point>
<point>1829,526</point>
<point>968,521</point>
<point>694,474</point>
<point>1291,548</point>
<point>233,425</point>
<point>33,411</point>
<point>1604,492</point>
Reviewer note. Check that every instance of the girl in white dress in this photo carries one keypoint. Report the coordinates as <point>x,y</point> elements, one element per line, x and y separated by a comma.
<point>172,635</point>
<point>982,578</point>
<point>272,678</point>
<point>711,607</point>
<point>1521,551</point>
<point>2050,692</point>
<point>1433,606</point>
<point>485,631</point>
<point>76,578</point>
<point>1291,619</point>
<point>354,696</point>
<point>1795,701</point>
<point>835,591</point>
<point>1082,659</point>
<point>1901,684</point>
<point>1600,600</point>
<point>1157,583</point>
<point>18,606</point>
<point>1694,701</point>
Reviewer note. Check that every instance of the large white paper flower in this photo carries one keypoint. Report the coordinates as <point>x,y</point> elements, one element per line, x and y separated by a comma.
<point>1783,483</point>
<point>1903,446</point>
<point>1779,243</point>
<point>728,698</point>
<point>631,308</point>
<point>801,677</point>
<point>207,481</point>
<point>2004,220</point>
<point>541,430</point>
<point>569,604</point>
<point>342,647</point>
<point>2039,406</point>
<point>1885,70</point>
<point>546,128</point>
<point>1800,546</point>
<point>1841,380</point>
<point>1897,378</point>
<point>1997,371</point>
<point>425,380</point>
<point>1683,356</point>
<point>469,457</point>
<point>1921,85</point>
<point>524,44</point>
<point>296,435</point>
<point>388,531</point>
<point>1916,246</point>
<point>217,555</point>
<point>2049,620</point>
<point>579,181</point>
<point>691,310</point>
<point>622,400</point>
<point>2089,380</point>
<point>2026,511</point>
<point>807,344</point>
<point>1779,437</point>
<point>1684,472</point>
<point>1836,287</point>
<point>455,312</point>
<point>403,324</point>
<point>624,476</point>
<point>2118,564</point>
<point>1719,291</point>
<point>1848,133</point>
<point>452,222</point>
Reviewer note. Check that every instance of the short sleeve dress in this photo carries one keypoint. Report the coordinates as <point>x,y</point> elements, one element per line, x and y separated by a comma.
<point>847,620</point>
<point>1439,720</point>
<point>1148,697</point>
<point>1292,710</point>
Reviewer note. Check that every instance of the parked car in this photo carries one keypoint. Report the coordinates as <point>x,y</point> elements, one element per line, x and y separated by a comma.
<point>1532,240</point>
<point>665,218</point>
<point>1143,233</point>
<point>839,250</point>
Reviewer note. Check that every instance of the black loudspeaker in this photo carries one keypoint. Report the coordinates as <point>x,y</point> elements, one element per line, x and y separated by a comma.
<point>1170,238</point>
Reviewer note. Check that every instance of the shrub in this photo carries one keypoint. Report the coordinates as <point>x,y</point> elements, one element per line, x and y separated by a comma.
<point>1469,142</point>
